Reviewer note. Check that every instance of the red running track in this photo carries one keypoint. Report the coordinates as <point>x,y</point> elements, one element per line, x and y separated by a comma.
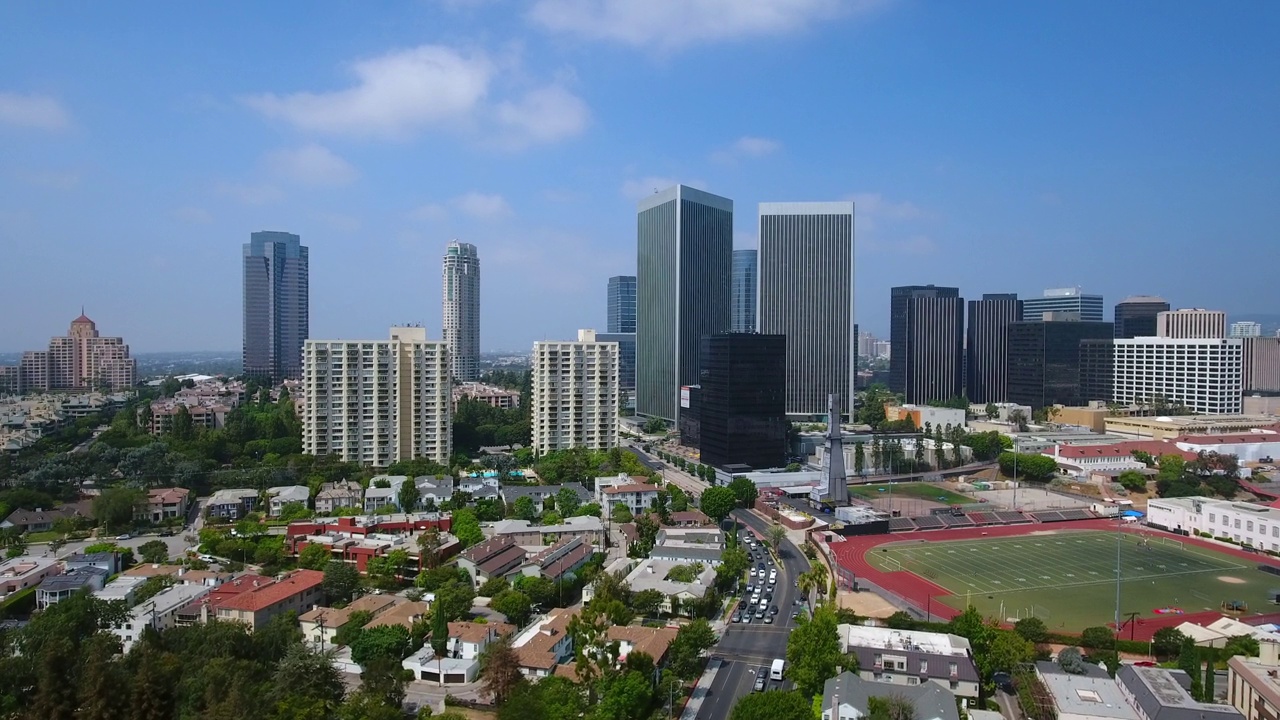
<point>851,554</point>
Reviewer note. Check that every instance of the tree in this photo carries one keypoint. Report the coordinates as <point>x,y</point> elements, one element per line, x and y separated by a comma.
<point>813,651</point>
<point>1033,629</point>
<point>971,626</point>
<point>384,641</point>
<point>776,535</point>
<point>500,671</point>
<point>679,501</point>
<point>624,696</point>
<point>1072,660</point>
<point>101,695</point>
<point>1167,641</point>
<point>513,604</point>
<point>291,511</point>
<point>991,411</point>
<point>1208,691</point>
<point>340,581</point>
<point>409,495</point>
<point>1008,651</point>
<point>567,501</point>
<point>773,705</point>
<point>307,674</point>
<point>1245,645</point>
<point>351,629</point>
<point>743,490</point>
<point>429,544</point>
<point>524,509</point>
<point>647,602</point>
<point>1189,662</point>
<point>154,551</point>
<point>454,599</point>
<point>114,508</point>
<point>314,556</point>
<point>620,514</point>
<point>718,502</point>
<point>859,457</point>
<point>1098,638</point>
<point>493,586</point>
<point>655,426</point>
<point>1018,418</point>
<point>466,526</point>
<point>1133,481</point>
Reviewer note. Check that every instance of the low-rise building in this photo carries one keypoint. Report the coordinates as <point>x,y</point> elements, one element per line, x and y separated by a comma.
<point>636,494</point>
<point>434,489</point>
<point>159,612</point>
<point>123,589</point>
<point>1089,696</point>
<point>499,556</point>
<point>1250,525</point>
<point>376,497</point>
<point>298,591</point>
<point>334,496</point>
<point>526,533</point>
<point>539,493</point>
<point>231,504</point>
<point>922,415</point>
<point>491,395</point>
<point>689,545</point>
<point>460,663</point>
<point>1252,446</point>
<point>848,697</point>
<point>1080,460</point>
<point>404,614</point>
<point>162,504</point>
<point>651,574</point>
<point>1253,684</point>
<point>320,625</point>
<point>910,657</point>
<point>285,494</point>
<point>560,560</point>
<point>57,588</point>
<point>1161,694</point>
<point>26,571</point>
<point>1219,632</point>
<point>1168,427</point>
<point>41,520</point>
<point>108,562</point>
<point>544,644</point>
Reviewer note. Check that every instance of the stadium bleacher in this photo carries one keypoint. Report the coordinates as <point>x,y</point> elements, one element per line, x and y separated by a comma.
<point>984,518</point>
<point>1045,516</point>
<point>1076,514</point>
<point>956,520</point>
<point>929,522</point>
<point>901,524</point>
<point>1009,517</point>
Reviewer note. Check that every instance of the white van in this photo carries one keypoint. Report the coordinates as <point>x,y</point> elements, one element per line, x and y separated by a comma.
<point>775,672</point>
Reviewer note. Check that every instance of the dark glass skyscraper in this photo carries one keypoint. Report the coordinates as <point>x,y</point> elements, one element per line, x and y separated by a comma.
<point>1136,316</point>
<point>622,304</point>
<point>806,294</point>
<point>684,249</point>
<point>926,336</point>
<point>986,346</point>
<point>276,305</point>
<point>1045,361</point>
<point>1060,300</point>
<point>744,291</point>
<point>741,403</point>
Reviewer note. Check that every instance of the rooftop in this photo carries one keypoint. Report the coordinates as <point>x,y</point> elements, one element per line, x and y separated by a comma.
<point>631,488</point>
<point>1160,696</point>
<point>914,640</point>
<point>263,597</point>
<point>580,523</point>
<point>402,614</point>
<point>1084,695</point>
<point>327,617</point>
<point>652,575</point>
<point>930,700</point>
<point>73,580</point>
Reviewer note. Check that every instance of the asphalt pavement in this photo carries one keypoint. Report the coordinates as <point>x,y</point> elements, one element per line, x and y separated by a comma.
<point>746,649</point>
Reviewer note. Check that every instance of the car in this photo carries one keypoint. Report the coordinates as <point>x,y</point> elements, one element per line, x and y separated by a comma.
<point>768,619</point>
<point>795,615</point>
<point>1004,681</point>
<point>166,533</point>
<point>760,614</point>
<point>737,617</point>
<point>208,558</point>
<point>125,536</point>
<point>773,610</point>
<point>759,686</point>
<point>753,572</point>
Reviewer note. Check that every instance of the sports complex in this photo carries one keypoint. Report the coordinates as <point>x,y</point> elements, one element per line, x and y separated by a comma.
<point>1060,565</point>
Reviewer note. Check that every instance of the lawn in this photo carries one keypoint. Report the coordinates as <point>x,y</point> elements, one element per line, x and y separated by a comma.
<point>920,491</point>
<point>1067,578</point>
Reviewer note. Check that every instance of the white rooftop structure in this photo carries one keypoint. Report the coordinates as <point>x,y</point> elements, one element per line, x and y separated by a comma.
<point>652,575</point>
<point>1080,697</point>
<point>890,639</point>
<point>121,589</point>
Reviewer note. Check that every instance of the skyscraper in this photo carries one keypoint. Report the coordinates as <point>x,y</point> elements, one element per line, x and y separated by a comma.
<point>1045,360</point>
<point>744,291</point>
<point>461,303</point>
<point>80,360</point>
<point>1136,316</point>
<point>1245,328</point>
<point>622,304</point>
<point>574,394</point>
<point>1191,323</point>
<point>741,400</point>
<point>684,249</point>
<point>987,346</point>
<point>806,294</point>
<point>1070,300</point>
<point>277,309</point>
<point>926,336</point>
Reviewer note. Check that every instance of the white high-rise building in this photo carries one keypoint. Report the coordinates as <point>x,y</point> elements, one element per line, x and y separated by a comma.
<point>461,303</point>
<point>1245,328</point>
<point>377,402</point>
<point>1202,373</point>
<point>575,394</point>
<point>1191,323</point>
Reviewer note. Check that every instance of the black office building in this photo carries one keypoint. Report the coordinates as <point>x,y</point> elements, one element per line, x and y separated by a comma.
<point>1097,370</point>
<point>1045,361</point>
<point>987,347</point>
<point>742,414</point>
<point>1136,316</point>
<point>926,342</point>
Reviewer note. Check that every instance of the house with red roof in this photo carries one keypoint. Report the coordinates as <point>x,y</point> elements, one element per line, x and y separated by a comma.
<point>1081,460</point>
<point>298,591</point>
<point>1252,446</point>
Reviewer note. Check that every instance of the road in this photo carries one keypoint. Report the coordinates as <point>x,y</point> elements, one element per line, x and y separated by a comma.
<point>746,649</point>
<point>692,486</point>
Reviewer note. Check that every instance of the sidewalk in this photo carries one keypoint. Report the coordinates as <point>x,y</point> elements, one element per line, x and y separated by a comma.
<point>700,691</point>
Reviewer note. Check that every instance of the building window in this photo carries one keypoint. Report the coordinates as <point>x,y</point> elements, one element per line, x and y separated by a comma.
<point>913,681</point>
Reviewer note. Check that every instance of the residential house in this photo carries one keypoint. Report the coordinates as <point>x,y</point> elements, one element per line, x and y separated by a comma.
<point>1253,685</point>
<point>1091,696</point>
<point>910,657</point>
<point>162,504</point>
<point>231,504</point>
<point>108,562</point>
<point>298,591</point>
<point>434,489</point>
<point>848,697</point>
<point>26,571</point>
<point>655,575</point>
<point>57,588</point>
<point>478,486</point>
<point>321,625</point>
<point>1162,694</point>
<point>559,561</point>
<point>461,660</point>
<point>376,497</point>
<point>336,495</point>
<point>285,494</point>
<point>539,494</point>
<point>206,608</point>
<point>123,589</point>
<point>41,520</point>
<point>652,641</point>
<point>499,556</point>
<point>159,612</point>
<point>635,493</point>
<point>689,518</point>
<point>524,532</point>
<point>404,614</point>
<point>544,644</point>
<point>689,545</point>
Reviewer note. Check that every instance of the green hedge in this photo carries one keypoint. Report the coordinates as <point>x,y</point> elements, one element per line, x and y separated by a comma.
<point>19,603</point>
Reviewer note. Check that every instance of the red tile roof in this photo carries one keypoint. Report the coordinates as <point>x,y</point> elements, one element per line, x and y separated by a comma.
<point>264,596</point>
<point>1237,438</point>
<point>1123,449</point>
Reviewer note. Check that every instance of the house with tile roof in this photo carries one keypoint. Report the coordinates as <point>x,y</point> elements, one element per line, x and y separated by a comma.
<point>321,624</point>
<point>544,644</point>
<point>499,556</point>
<point>634,492</point>
<point>560,560</point>
<point>298,591</point>
<point>163,504</point>
<point>404,614</point>
<point>1080,460</point>
<point>460,662</point>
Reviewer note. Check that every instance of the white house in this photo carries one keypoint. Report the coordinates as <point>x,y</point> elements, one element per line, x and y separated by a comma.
<point>376,497</point>
<point>158,612</point>
<point>285,494</point>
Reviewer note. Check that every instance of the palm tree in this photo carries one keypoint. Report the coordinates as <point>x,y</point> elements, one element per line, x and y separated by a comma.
<point>776,535</point>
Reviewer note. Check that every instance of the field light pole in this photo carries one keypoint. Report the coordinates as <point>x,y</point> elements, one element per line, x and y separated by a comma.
<point>1119,538</point>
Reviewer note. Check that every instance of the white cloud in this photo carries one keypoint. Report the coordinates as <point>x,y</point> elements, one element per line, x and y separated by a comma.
<point>311,165</point>
<point>250,194</point>
<point>33,111</point>
<point>479,205</point>
<point>635,189</point>
<point>672,24</point>
<point>747,147</point>
<point>193,215</point>
<point>883,225</point>
<point>405,92</point>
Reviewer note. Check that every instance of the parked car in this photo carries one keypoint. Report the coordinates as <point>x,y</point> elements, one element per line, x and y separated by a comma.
<point>759,686</point>
<point>125,536</point>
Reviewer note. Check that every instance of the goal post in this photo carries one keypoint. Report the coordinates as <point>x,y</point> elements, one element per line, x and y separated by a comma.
<point>891,563</point>
<point>1173,543</point>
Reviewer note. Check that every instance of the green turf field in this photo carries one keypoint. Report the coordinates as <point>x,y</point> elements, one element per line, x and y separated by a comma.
<point>921,491</point>
<point>1067,578</point>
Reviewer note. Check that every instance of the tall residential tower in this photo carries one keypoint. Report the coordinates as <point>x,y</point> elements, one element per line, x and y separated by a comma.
<point>806,294</point>
<point>574,394</point>
<point>744,291</point>
<point>684,249</point>
<point>277,309</point>
<point>461,303</point>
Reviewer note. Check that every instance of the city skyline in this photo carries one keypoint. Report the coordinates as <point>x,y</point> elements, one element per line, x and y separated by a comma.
<point>1030,152</point>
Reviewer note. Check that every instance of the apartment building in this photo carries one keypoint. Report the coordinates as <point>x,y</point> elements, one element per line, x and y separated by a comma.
<point>575,394</point>
<point>636,494</point>
<point>160,612</point>
<point>231,503</point>
<point>298,591</point>
<point>492,395</point>
<point>1253,684</point>
<point>910,657</point>
<point>26,571</point>
<point>1204,374</point>
<point>81,359</point>
<point>377,402</point>
<point>336,495</point>
<point>321,625</point>
<point>208,415</point>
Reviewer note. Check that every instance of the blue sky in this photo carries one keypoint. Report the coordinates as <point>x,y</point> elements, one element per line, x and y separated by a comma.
<point>1130,148</point>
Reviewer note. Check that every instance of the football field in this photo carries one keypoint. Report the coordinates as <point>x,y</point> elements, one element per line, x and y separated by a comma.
<point>1068,578</point>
